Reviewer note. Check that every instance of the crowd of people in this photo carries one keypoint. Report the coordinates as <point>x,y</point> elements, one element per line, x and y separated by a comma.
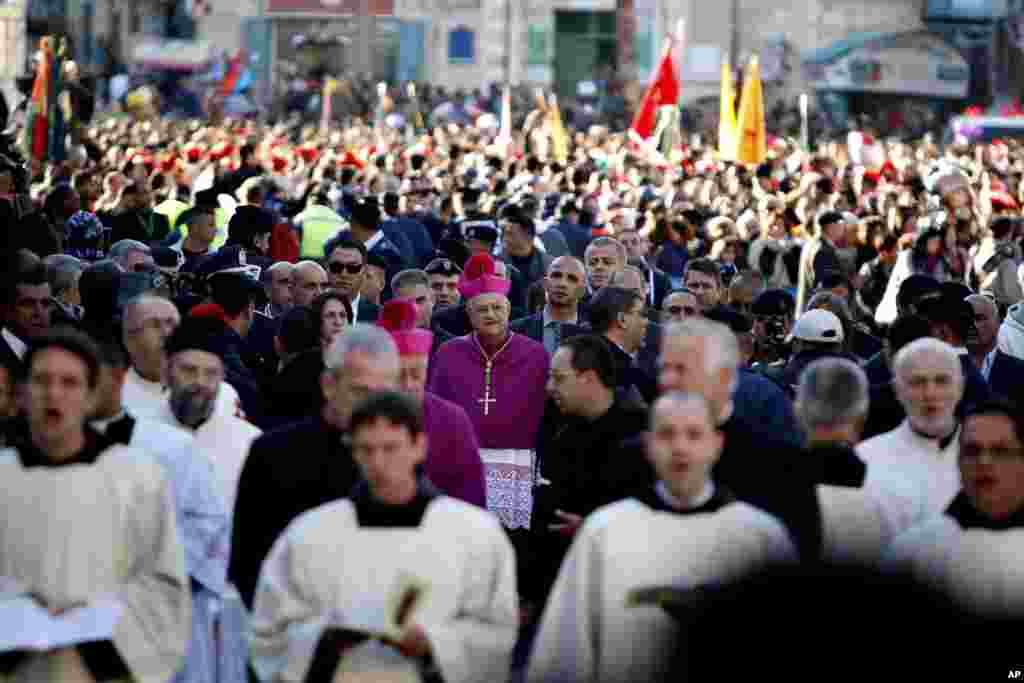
<point>373,403</point>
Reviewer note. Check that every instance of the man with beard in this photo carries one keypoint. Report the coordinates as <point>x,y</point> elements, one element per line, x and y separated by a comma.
<point>202,519</point>
<point>195,371</point>
<point>928,379</point>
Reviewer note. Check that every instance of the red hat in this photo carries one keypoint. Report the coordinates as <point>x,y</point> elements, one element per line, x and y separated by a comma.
<point>478,278</point>
<point>215,311</point>
<point>350,159</point>
<point>399,318</point>
<point>1002,201</point>
<point>309,153</point>
<point>193,153</point>
<point>872,177</point>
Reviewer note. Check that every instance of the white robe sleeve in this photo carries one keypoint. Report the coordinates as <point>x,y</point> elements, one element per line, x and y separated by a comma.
<point>566,647</point>
<point>476,644</point>
<point>152,635</point>
<point>286,623</point>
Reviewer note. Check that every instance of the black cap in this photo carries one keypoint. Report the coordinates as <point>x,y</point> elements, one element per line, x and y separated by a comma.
<point>233,285</point>
<point>199,334</point>
<point>734,320</point>
<point>247,223</point>
<point>454,250</point>
<point>366,212</point>
<point>165,257</point>
<point>764,170</point>
<point>485,231</point>
<point>443,266</point>
<point>916,288</point>
<point>774,302</point>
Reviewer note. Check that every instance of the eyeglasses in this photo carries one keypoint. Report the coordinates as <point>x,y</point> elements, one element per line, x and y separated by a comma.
<point>681,310</point>
<point>337,268</point>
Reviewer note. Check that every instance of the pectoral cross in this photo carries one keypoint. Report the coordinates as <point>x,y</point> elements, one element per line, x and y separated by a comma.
<point>487,400</point>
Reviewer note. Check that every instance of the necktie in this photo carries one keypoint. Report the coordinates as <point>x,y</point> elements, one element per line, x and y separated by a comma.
<point>120,431</point>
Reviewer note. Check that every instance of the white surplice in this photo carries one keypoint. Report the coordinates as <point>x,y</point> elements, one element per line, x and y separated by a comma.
<point>225,440</point>
<point>587,633</point>
<point>980,568</point>
<point>325,566</point>
<point>218,650</point>
<point>904,457</point>
<point>859,524</point>
<point>82,532</point>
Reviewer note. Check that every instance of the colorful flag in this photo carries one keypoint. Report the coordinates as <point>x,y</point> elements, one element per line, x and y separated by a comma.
<point>37,120</point>
<point>727,115</point>
<point>662,91</point>
<point>57,129</point>
<point>234,73</point>
<point>559,138</point>
<point>751,142</point>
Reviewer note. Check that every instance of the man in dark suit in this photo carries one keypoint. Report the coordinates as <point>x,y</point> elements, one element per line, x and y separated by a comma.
<point>26,310</point>
<point>564,284</point>
<point>404,224</point>
<point>346,270</point>
<point>1003,372</point>
<point>275,487</point>
<point>619,315</point>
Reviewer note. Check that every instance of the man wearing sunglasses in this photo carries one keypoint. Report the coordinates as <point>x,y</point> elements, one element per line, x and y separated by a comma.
<point>346,270</point>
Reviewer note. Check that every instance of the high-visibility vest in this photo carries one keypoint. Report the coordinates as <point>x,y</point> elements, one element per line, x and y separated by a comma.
<point>319,225</point>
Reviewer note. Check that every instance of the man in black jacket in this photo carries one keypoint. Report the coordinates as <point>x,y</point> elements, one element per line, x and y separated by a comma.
<point>580,465</point>
<point>308,463</point>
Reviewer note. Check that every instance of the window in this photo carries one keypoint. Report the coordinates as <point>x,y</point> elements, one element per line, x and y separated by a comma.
<point>461,45</point>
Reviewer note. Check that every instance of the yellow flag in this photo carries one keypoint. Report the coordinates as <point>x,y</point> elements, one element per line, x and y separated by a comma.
<point>727,115</point>
<point>559,138</point>
<point>751,142</point>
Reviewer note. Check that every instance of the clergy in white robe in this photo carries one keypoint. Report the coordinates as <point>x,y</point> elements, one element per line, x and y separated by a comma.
<point>83,521</point>
<point>973,551</point>
<point>195,373</point>
<point>928,380</point>
<point>338,568</point>
<point>685,533</point>
<point>215,649</point>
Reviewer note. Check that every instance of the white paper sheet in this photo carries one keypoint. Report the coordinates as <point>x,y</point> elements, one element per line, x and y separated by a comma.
<point>25,625</point>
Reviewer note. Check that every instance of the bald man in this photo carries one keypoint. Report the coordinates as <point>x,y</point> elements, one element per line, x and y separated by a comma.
<point>310,280</point>
<point>564,286</point>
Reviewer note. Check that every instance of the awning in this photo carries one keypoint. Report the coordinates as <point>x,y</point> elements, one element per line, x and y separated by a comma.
<point>913,63</point>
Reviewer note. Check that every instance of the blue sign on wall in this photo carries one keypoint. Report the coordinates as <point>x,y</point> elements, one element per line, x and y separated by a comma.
<point>411,44</point>
<point>461,45</point>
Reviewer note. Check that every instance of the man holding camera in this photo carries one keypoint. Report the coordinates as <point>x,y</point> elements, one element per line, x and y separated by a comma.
<point>773,313</point>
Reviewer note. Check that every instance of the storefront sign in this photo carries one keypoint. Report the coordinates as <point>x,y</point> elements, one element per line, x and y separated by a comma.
<point>150,52</point>
<point>906,64</point>
<point>374,7</point>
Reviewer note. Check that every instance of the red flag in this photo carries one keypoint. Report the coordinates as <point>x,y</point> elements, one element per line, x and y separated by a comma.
<point>234,72</point>
<point>662,91</point>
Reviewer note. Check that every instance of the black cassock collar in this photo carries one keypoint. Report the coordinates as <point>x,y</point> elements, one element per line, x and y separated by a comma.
<point>372,513</point>
<point>719,499</point>
<point>31,456</point>
<point>968,517</point>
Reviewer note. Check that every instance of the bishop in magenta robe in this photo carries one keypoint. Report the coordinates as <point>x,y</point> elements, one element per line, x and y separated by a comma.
<point>502,391</point>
